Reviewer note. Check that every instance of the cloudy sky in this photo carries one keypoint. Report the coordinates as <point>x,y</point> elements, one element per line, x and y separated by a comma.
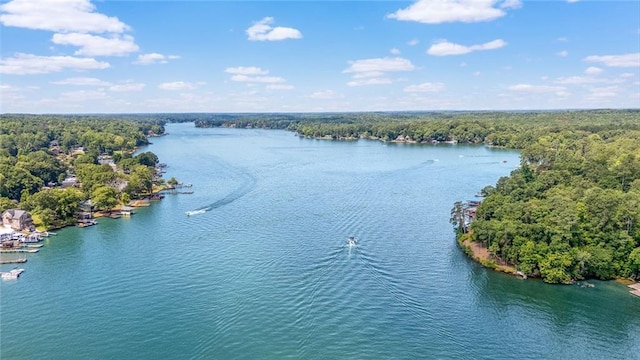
<point>81,56</point>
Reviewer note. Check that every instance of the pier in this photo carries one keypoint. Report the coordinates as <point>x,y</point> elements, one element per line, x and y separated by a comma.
<point>635,289</point>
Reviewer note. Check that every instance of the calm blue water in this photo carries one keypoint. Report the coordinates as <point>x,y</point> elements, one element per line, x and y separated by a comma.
<point>264,273</point>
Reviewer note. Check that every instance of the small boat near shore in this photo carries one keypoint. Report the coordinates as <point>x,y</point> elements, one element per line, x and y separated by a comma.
<point>86,222</point>
<point>11,275</point>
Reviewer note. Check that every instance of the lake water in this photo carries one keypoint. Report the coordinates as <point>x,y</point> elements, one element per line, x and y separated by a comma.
<point>264,271</point>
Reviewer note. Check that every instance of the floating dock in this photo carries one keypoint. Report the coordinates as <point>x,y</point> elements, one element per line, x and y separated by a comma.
<point>635,289</point>
<point>14,261</point>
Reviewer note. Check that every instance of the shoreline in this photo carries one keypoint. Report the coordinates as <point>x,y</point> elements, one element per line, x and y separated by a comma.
<point>481,255</point>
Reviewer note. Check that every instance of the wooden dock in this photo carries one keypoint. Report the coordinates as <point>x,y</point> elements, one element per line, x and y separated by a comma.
<point>635,289</point>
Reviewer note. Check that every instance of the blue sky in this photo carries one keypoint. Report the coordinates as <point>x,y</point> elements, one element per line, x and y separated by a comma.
<point>81,56</point>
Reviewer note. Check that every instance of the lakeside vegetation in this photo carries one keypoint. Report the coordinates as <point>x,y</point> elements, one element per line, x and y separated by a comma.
<point>51,164</point>
<point>571,211</point>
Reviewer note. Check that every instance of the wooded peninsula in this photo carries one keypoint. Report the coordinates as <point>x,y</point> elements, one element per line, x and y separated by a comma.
<point>570,211</point>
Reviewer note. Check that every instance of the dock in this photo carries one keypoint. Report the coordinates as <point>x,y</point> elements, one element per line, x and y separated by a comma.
<point>32,251</point>
<point>14,261</point>
<point>33,246</point>
<point>634,289</point>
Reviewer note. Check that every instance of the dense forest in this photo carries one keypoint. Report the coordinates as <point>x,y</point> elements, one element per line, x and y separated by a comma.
<point>570,211</point>
<point>50,164</point>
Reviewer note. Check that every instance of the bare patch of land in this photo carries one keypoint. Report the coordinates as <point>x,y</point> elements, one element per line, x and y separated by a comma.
<point>482,255</point>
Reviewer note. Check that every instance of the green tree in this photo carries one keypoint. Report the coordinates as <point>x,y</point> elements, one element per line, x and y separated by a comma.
<point>634,263</point>
<point>104,198</point>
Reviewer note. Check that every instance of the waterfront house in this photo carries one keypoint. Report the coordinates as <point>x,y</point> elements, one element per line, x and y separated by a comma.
<point>17,220</point>
<point>85,210</point>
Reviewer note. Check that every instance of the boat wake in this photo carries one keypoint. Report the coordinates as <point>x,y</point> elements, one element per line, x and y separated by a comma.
<point>247,185</point>
<point>196,212</point>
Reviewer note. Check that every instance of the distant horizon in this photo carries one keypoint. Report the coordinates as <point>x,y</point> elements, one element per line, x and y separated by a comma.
<point>328,112</point>
<point>88,56</point>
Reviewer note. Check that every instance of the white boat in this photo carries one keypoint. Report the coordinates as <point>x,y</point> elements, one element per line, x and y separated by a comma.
<point>352,241</point>
<point>12,275</point>
<point>195,212</point>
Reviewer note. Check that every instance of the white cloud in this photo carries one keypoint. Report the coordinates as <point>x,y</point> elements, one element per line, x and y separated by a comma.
<point>395,51</point>
<point>627,75</point>
<point>280,87</point>
<point>325,95</point>
<point>246,70</point>
<point>592,70</point>
<point>372,71</point>
<point>59,16</point>
<point>413,42</point>
<point>93,45</point>
<point>379,65</point>
<point>28,64</point>
<point>154,58</point>
<point>511,4</point>
<point>604,92</point>
<point>445,48</point>
<point>563,53</point>
<point>442,11</point>
<point>540,89</point>
<point>578,80</point>
<point>176,85</point>
<point>425,87</point>
<point>368,74</point>
<point>562,39</point>
<point>257,79</point>
<point>370,81</point>
<point>127,87</point>
<point>591,77</point>
<point>263,31</point>
<point>572,1</point>
<point>82,81</point>
<point>625,60</point>
<point>83,95</point>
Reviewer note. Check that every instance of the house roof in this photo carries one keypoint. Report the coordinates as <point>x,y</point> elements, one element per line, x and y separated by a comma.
<point>16,213</point>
